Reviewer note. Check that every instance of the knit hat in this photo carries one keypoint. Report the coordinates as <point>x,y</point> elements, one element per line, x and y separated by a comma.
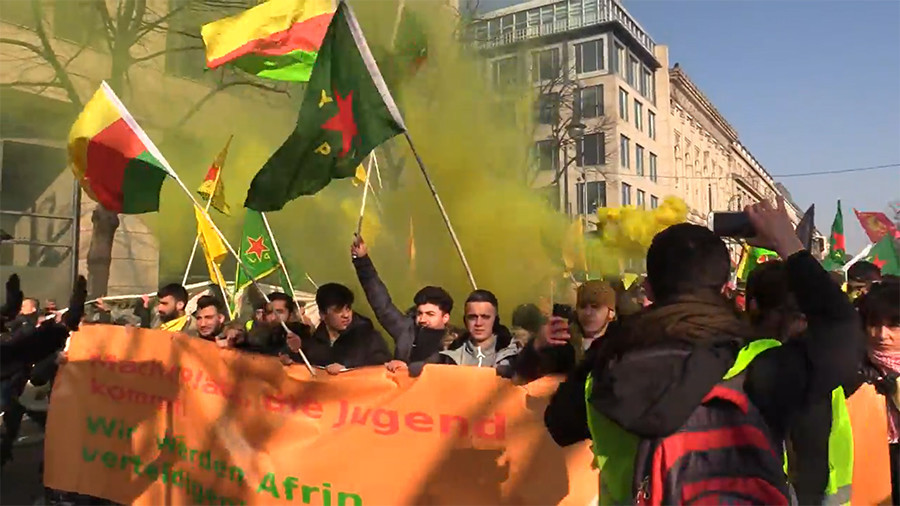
<point>596,292</point>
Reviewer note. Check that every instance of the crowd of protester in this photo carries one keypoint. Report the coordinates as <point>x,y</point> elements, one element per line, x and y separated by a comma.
<point>644,363</point>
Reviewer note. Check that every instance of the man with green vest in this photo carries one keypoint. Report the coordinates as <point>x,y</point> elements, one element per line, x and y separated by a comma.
<point>652,376</point>
<point>820,439</point>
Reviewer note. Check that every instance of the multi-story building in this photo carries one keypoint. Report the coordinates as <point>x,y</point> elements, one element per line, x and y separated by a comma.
<point>615,125</point>
<point>601,137</point>
<point>53,51</point>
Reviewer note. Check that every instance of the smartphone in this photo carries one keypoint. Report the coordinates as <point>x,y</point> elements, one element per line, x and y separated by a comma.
<point>731,224</point>
<point>563,311</point>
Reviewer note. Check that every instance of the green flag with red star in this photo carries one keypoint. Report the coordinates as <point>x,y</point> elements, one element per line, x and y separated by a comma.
<point>884,255</point>
<point>257,252</point>
<point>347,111</point>
<point>837,251</point>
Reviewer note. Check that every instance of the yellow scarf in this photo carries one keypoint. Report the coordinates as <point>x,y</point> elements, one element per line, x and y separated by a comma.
<point>176,325</point>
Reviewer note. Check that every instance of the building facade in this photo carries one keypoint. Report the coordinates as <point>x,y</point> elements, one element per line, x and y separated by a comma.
<point>649,131</point>
<point>66,49</point>
<point>601,132</point>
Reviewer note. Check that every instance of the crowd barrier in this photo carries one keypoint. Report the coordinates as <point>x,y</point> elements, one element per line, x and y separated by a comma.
<point>151,417</point>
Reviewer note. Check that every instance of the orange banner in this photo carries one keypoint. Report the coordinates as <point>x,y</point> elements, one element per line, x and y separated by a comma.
<point>151,417</point>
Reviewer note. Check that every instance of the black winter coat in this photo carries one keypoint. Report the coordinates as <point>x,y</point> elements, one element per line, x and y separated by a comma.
<point>360,345</point>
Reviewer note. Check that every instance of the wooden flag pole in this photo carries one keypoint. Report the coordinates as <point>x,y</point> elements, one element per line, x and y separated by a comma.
<point>437,199</point>
<point>278,255</point>
<point>362,208</point>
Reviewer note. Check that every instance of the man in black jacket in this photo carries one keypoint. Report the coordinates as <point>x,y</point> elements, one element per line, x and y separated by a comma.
<point>653,372</point>
<point>343,340</point>
<point>416,338</point>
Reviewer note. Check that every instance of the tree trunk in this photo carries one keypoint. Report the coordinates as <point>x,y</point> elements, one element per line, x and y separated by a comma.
<point>105,223</point>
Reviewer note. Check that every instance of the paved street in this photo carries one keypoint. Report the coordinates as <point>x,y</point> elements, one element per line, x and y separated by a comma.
<point>20,483</point>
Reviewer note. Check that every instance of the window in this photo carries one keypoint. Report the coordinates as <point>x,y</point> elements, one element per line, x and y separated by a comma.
<point>591,150</point>
<point>19,13</point>
<point>651,124</point>
<point>78,22</point>
<point>646,77</point>
<point>624,144</point>
<point>633,69</point>
<point>639,159</point>
<point>621,56</point>
<point>505,72</point>
<point>547,155</point>
<point>623,104</point>
<point>545,65</point>
<point>616,60</point>
<point>626,194</point>
<point>595,195</point>
<point>548,108</point>
<point>653,174</point>
<point>589,102</point>
<point>638,115</point>
<point>654,202</point>
<point>589,56</point>
<point>640,199</point>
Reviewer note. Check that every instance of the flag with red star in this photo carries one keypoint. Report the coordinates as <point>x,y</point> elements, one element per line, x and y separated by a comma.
<point>347,111</point>
<point>257,251</point>
<point>837,251</point>
<point>884,255</point>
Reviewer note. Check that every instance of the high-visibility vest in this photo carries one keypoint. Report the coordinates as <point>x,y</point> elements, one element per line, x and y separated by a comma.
<point>840,452</point>
<point>614,448</point>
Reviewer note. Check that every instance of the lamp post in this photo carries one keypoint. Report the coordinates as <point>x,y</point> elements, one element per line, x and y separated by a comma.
<point>575,131</point>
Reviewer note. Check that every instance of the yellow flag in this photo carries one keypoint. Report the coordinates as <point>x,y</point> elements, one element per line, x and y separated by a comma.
<point>213,248</point>
<point>213,185</point>
<point>360,176</point>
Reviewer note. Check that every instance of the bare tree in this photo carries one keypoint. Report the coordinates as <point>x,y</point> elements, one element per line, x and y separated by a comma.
<point>894,208</point>
<point>122,31</point>
<point>560,106</point>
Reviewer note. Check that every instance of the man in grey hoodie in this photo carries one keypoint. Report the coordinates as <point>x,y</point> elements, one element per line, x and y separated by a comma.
<point>486,342</point>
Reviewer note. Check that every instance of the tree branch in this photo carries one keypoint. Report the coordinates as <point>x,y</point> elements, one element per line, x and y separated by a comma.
<point>149,27</point>
<point>48,54</point>
<point>160,53</point>
<point>51,84</point>
<point>221,87</point>
<point>31,47</point>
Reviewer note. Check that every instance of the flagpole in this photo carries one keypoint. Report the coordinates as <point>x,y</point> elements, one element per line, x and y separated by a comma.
<point>230,250</point>
<point>362,208</point>
<point>437,199</point>
<point>862,254</point>
<point>197,238</point>
<point>278,254</point>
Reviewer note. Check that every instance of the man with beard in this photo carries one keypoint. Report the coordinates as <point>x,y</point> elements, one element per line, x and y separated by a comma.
<point>669,372</point>
<point>344,339</point>
<point>210,318</point>
<point>416,337</point>
<point>171,301</point>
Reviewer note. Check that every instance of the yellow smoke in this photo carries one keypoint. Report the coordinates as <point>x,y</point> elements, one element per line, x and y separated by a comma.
<point>476,148</point>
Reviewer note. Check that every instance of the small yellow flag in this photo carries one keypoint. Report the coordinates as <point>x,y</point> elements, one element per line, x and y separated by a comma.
<point>213,248</point>
<point>360,176</point>
<point>213,186</point>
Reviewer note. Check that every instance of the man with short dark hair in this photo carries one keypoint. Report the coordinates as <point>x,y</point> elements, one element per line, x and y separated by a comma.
<point>486,342</point>
<point>860,277</point>
<point>210,318</point>
<point>416,338</point>
<point>343,339</point>
<point>655,379</point>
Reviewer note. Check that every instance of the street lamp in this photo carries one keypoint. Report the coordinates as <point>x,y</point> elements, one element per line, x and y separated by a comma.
<point>575,131</point>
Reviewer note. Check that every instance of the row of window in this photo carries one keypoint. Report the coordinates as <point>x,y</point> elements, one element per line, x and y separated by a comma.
<point>638,114</point>
<point>625,158</point>
<point>587,103</point>
<point>592,151</point>
<point>592,196</point>
<point>546,65</point>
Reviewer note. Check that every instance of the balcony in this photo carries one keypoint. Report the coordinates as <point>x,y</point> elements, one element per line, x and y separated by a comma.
<point>509,26</point>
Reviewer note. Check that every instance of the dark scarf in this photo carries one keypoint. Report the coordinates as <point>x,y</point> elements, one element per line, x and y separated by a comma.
<point>704,319</point>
